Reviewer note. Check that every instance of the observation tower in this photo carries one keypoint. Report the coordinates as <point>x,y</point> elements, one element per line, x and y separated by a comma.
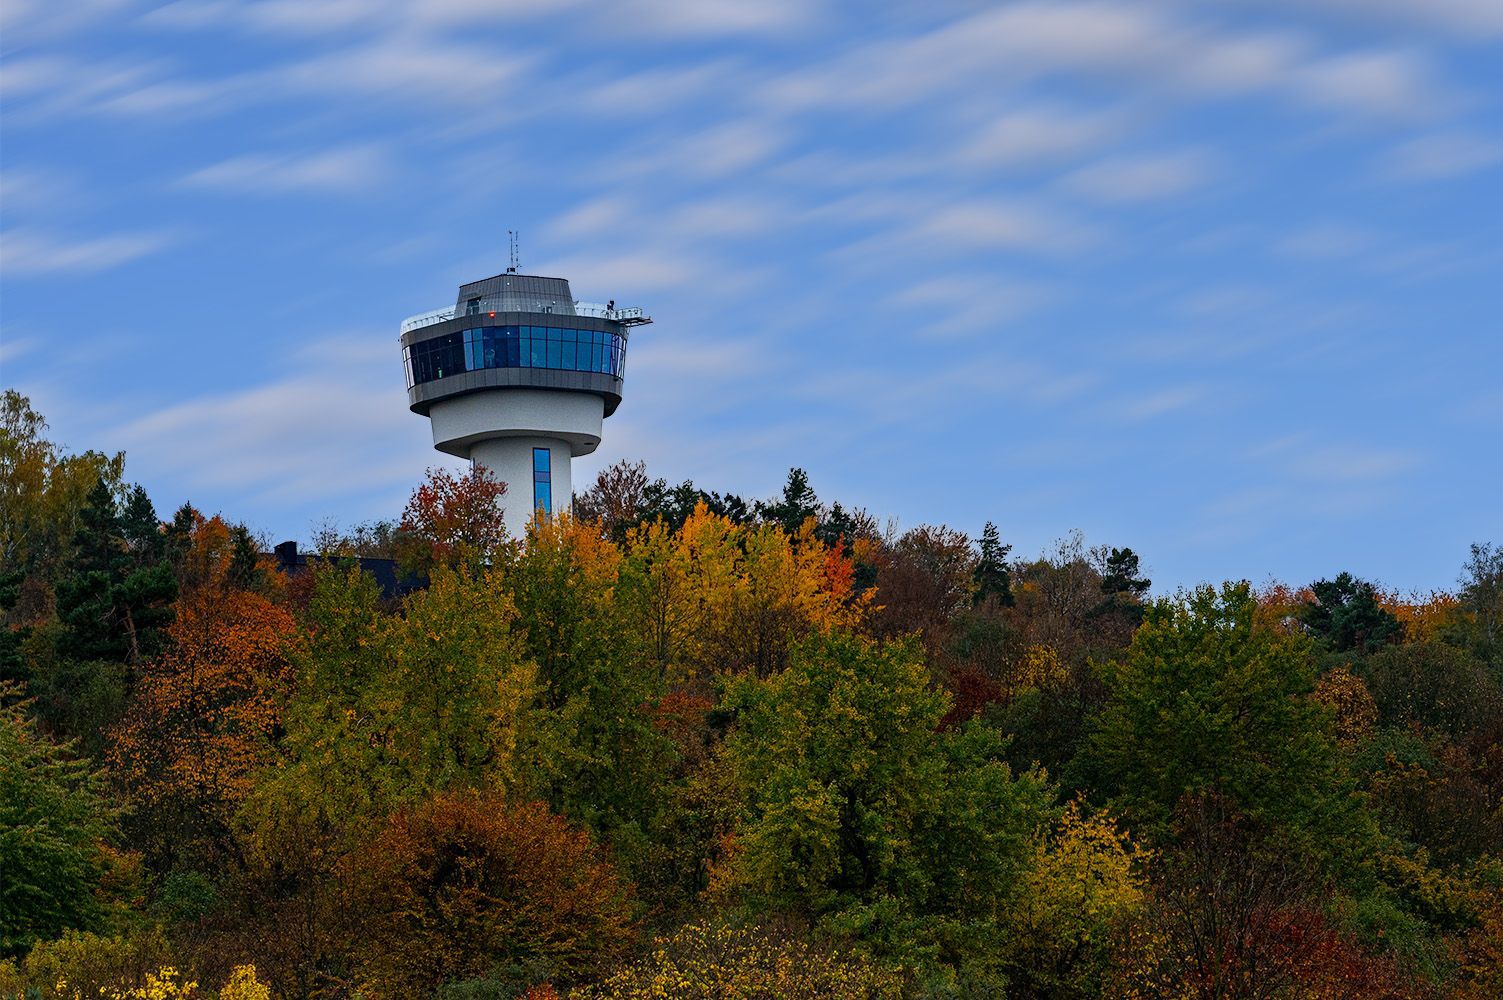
<point>517,377</point>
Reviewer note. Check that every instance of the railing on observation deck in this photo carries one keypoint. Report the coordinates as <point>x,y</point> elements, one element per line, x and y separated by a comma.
<point>629,316</point>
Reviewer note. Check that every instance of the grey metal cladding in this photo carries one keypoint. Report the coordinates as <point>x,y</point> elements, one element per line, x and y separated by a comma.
<point>423,395</point>
<point>518,293</point>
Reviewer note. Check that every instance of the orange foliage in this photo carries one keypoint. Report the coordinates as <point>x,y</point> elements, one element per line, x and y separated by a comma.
<point>468,883</point>
<point>1279,605</point>
<point>1423,616</point>
<point>200,723</point>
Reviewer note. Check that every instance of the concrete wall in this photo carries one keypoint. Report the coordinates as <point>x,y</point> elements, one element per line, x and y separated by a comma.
<point>497,430</point>
<point>461,422</point>
<point>509,459</point>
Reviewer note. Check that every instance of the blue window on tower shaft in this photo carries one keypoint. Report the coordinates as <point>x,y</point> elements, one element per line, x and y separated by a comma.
<point>542,481</point>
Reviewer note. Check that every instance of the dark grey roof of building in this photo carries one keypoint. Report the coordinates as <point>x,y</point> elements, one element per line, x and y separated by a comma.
<point>517,293</point>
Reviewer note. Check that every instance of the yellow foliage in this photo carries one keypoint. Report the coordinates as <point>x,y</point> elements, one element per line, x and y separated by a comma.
<point>243,985</point>
<point>716,596</point>
<point>702,962</point>
<point>166,983</point>
<point>1083,885</point>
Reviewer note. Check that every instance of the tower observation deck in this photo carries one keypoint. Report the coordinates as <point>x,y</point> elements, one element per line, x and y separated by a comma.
<point>517,376</point>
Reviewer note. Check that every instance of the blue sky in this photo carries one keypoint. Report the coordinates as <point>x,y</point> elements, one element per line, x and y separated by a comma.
<point>1220,282</point>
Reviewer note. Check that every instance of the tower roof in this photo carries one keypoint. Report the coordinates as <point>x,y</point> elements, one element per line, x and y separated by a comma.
<point>517,293</point>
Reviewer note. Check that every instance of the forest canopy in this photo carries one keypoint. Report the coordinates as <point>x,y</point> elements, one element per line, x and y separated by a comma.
<point>689,744</point>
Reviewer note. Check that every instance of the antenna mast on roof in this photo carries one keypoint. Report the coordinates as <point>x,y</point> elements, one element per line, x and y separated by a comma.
<point>511,236</point>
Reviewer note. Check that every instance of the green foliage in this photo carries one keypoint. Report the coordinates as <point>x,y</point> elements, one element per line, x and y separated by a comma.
<point>597,757</point>
<point>42,489</point>
<point>116,599</point>
<point>1205,703</point>
<point>1482,597</point>
<point>860,816</point>
<point>1346,615</point>
<point>390,708</point>
<point>53,819</point>
<point>1441,688</point>
<point>992,576</point>
<point>87,964</point>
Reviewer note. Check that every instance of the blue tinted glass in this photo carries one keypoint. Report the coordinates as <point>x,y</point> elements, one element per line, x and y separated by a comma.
<point>555,354</point>
<point>539,352</point>
<point>540,459</point>
<point>542,497</point>
<point>554,333</point>
<point>570,353</point>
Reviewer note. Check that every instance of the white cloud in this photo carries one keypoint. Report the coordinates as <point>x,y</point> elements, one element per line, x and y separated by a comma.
<point>1328,241</point>
<point>1168,55</point>
<point>1134,178</point>
<point>1037,135</point>
<point>1159,403</point>
<point>1442,156</point>
<point>281,439</point>
<point>339,171</point>
<point>28,252</point>
<point>1466,20</point>
<point>992,223</point>
<point>1382,84</point>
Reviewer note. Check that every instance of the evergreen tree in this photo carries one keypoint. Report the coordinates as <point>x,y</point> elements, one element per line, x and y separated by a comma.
<point>1121,575</point>
<point>993,578</point>
<point>117,599</point>
<point>797,504</point>
<point>1346,614</point>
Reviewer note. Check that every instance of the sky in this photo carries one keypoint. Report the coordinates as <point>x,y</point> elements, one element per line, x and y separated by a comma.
<point>1216,281</point>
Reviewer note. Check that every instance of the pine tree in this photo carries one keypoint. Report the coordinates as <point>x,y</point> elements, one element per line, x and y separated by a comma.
<point>993,578</point>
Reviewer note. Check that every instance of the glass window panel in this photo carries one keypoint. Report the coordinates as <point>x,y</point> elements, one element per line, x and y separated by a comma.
<point>541,459</point>
<point>570,354</point>
<point>555,354</point>
<point>539,352</point>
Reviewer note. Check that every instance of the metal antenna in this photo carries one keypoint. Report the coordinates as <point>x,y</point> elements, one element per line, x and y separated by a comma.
<point>511,235</point>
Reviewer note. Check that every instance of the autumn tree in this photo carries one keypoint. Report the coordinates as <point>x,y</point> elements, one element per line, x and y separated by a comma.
<point>1205,704</point>
<point>42,491</point>
<point>452,520</point>
<point>1236,914</point>
<point>924,579</point>
<point>201,722</point>
<point>467,886</point>
<point>389,708</point>
<point>862,818</point>
<point>598,758</point>
<point>617,500</point>
<point>1083,886</point>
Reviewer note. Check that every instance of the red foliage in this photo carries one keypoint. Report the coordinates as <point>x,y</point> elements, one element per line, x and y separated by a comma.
<point>972,690</point>
<point>451,520</point>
